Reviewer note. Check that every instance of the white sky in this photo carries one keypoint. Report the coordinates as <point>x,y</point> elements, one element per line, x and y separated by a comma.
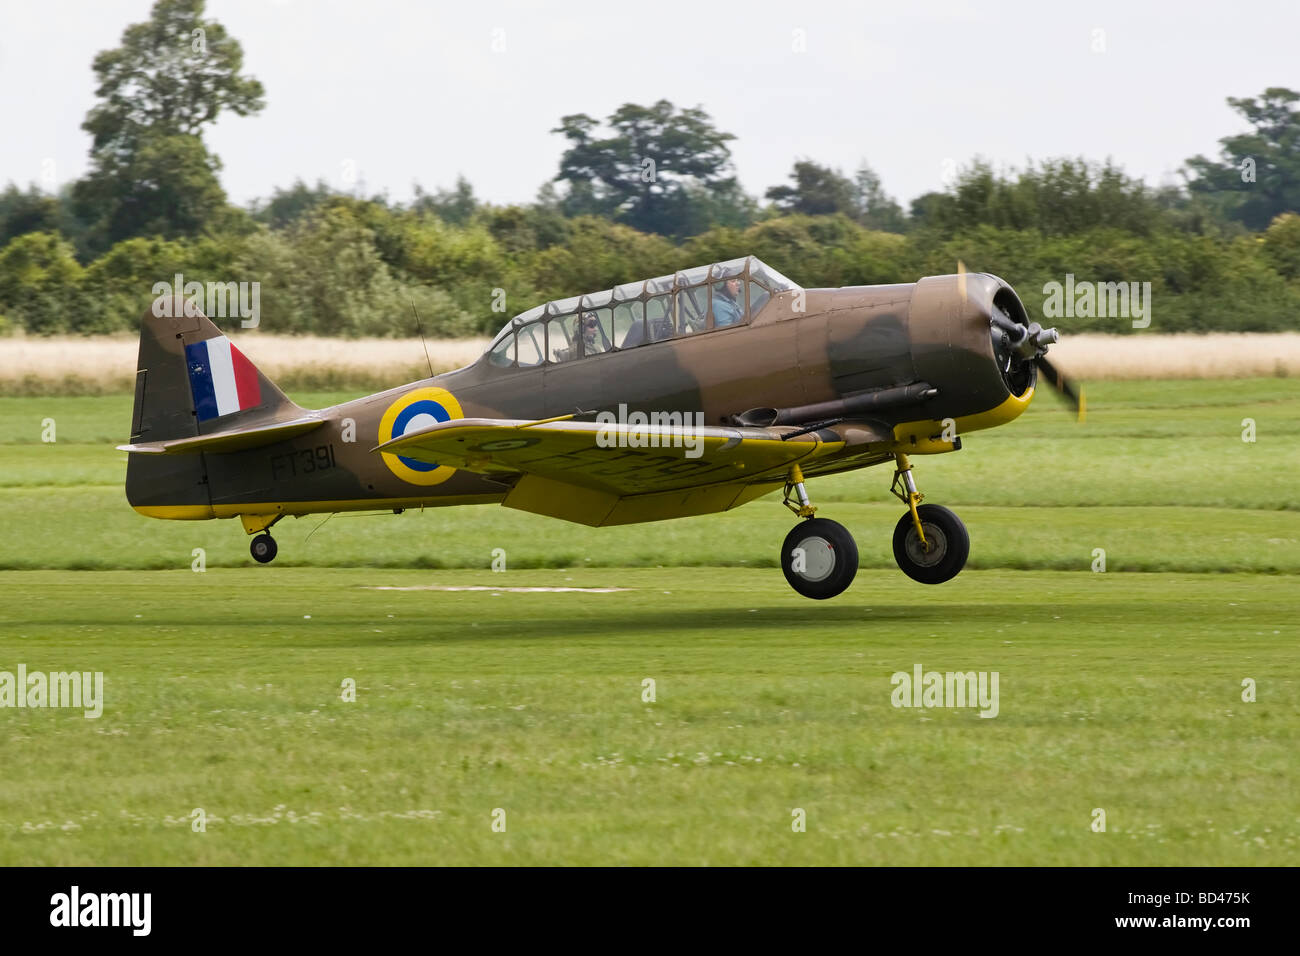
<point>412,91</point>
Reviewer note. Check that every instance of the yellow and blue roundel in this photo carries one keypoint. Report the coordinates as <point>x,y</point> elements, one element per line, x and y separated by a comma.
<point>413,411</point>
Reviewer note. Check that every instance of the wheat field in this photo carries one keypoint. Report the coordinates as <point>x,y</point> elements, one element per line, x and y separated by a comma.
<point>95,365</point>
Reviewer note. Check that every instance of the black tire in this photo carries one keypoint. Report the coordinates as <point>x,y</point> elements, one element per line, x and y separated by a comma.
<point>829,558</point>
<point>263,549</point>
<point>948,540</point>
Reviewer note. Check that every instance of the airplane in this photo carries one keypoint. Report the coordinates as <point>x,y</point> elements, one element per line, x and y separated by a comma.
<point>681,395</point>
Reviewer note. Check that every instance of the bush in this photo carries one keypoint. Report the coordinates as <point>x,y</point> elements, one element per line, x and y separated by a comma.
<point>349,267</point>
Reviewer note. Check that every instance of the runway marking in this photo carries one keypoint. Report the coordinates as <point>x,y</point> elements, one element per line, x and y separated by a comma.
<point>479,587</point>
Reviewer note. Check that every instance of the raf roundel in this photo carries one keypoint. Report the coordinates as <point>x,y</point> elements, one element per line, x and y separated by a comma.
<point>410,413</point>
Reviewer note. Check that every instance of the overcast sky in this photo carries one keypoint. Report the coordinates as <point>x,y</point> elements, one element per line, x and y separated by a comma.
<point>402,91</point>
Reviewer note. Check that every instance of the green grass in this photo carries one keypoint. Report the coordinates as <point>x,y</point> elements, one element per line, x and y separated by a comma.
<point>1119,691</point>
<point>1116,691</point>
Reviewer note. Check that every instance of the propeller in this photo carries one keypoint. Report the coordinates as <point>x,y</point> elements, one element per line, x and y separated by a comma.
<point>1073,394</point>
<point>1021,344</point>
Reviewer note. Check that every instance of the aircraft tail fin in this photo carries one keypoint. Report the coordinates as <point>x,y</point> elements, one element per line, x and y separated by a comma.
<point>191,381</point>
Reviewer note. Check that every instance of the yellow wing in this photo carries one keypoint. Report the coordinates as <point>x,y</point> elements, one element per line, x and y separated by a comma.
<point>598,474</point>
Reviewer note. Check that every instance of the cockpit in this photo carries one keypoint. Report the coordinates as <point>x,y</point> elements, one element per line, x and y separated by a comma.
<point>691,302</point>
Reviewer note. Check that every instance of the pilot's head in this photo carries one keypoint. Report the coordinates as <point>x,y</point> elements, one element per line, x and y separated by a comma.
<point>733,288</point>
<point>590,328</point>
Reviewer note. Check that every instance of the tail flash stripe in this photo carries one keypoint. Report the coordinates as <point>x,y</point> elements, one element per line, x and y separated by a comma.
<point>223,375</point>
<point>250,394</point>
<point>222,380</point>
<point>205,399</point>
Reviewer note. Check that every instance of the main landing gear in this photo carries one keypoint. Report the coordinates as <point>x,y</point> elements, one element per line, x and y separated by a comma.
<point>820,558</point>
<point>930,541</point>
<point>263,547</point>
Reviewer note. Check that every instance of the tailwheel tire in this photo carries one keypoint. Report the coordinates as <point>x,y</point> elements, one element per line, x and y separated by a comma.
<point>947,540</point>
<point>263,549</point>
<point>819,558</point>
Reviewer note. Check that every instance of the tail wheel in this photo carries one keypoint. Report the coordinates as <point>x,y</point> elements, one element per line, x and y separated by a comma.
<point>263,549</point>
<point>946,547</point>
<point>819,558</point>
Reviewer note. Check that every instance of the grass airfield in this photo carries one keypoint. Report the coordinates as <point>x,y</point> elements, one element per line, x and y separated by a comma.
<point>1119,690</point>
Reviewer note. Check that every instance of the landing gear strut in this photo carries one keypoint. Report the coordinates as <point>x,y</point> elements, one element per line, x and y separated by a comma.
<point>819,556</point>
<point>930,542</point>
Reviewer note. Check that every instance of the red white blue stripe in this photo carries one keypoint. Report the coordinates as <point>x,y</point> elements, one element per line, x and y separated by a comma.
<point>222,380</point>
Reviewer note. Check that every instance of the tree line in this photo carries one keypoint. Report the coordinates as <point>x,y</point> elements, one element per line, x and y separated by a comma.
<point>646,191</point>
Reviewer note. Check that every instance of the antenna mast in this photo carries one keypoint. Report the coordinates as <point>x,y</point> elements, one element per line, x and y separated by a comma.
<point>419,328</point>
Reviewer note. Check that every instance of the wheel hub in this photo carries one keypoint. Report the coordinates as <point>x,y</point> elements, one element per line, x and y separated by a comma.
<point>818,558</point>
<point>918,554</point>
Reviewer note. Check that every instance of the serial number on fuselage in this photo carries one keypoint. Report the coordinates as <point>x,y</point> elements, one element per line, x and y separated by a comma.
<point>303,462</point>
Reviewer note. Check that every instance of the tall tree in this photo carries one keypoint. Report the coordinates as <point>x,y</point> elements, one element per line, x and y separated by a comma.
<point>289,205</point>
<point>456,205</point>
<point>165,186</point>
<point>876,208</point>
<point>150,171</point>
<point>1258,174</point>
<point>651,170</point>
<point>822,191</point>
<point>174,73</point>
<point>817,191</point>
<point>23,212</point>
<point>1055,197</point>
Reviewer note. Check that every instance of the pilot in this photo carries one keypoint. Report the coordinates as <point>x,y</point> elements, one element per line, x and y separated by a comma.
<point>594,339</point>
<point>728,306</point>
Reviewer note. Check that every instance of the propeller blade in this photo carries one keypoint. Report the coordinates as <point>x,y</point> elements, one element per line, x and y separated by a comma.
<point>1064,386</point>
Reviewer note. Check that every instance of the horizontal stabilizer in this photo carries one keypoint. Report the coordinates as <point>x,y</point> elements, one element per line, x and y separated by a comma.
<point>233,439</point>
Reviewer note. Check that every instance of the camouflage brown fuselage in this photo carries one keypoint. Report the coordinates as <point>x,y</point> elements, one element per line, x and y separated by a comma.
<point>804,347</point>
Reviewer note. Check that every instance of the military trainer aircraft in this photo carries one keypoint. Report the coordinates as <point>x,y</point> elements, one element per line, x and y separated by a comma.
<point>680,395</point>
